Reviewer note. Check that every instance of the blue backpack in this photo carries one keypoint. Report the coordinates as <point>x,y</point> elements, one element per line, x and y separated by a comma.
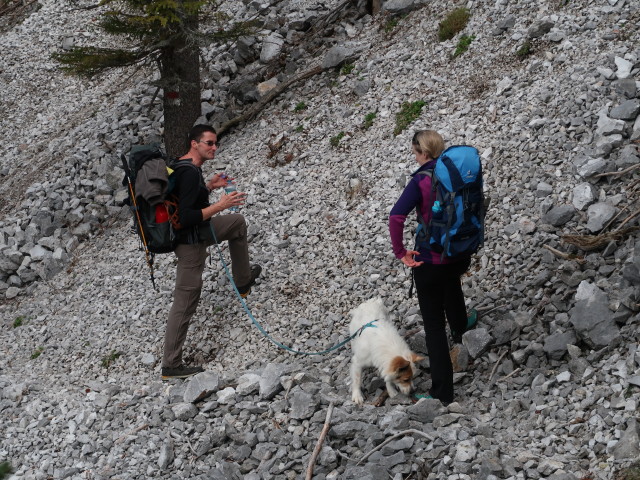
<point>457,220</point>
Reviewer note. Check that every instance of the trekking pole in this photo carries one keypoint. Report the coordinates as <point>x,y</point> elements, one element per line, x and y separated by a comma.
<point>132,196</point>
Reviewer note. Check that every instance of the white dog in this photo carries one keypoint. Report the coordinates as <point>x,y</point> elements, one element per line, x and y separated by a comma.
<point>379,346</point>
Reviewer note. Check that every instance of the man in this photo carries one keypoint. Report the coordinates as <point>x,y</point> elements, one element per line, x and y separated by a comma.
<point>196,217</point>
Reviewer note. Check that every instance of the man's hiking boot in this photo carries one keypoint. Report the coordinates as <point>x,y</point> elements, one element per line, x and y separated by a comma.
<point>472,321</point>
<point>180,372</point>
<point>246,289</point>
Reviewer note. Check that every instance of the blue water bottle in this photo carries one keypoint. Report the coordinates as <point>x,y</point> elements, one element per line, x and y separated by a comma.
<point>230,187</point>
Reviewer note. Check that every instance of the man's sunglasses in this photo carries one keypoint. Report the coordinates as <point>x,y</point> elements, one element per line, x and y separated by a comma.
<point>210,143</point>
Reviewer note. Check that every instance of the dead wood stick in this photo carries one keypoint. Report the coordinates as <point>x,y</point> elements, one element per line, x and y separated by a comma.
<point>270,96</point>
<point>411,333</point>
<point>495,367</point>
<point>381,399</point>
<point>564,255</point>
<point>286,395</point>
<point>592,242</point>
<point>393,437</point>
<point>627,220</point>
<point>329,18</point>
<point>122,438</point>
<point>615,217</point>
<point>621,172</point>
<point>510,375</point>
<point>316,450</point>
<point>153,99</point>
<point>6,8</point>
<point>488,309</point>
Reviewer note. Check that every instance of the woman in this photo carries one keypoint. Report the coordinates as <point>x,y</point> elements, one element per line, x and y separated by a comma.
<point>437,278</point>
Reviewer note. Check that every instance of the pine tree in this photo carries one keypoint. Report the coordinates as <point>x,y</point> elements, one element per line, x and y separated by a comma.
<point>162,33</point>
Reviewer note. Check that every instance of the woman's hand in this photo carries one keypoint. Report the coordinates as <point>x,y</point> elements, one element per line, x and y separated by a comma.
<point>409,259</point>
<point>218,180</point>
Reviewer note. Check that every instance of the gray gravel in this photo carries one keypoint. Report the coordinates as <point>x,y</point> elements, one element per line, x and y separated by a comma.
<point>548,384</point>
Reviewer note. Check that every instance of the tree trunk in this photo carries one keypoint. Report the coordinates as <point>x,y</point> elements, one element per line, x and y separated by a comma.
<point>180,80</point>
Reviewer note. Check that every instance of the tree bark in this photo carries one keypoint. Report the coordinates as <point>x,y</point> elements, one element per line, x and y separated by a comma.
<point>180,80</point>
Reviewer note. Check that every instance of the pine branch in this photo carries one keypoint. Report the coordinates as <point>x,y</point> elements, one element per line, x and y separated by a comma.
<point>91,61</point>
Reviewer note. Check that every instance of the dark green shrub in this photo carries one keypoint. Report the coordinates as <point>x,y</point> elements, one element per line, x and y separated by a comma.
<point>525,49</point>
<point>368,120</point>
<point>453,23</point>
<point>347,68</point>
<point>109,359</point>
<point>5,467</point>
<point>463,44</point>
<point>335,141</point>
<point>630,473</point>
<point>408,114</point>
<point>390,25</point>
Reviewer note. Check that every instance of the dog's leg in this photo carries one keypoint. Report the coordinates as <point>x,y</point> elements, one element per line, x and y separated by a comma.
<point>356,381</point>
<point>391,388</point>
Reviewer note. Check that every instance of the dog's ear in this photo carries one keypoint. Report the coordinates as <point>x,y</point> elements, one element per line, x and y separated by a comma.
<point>415,358</point>
<point>398,365</point>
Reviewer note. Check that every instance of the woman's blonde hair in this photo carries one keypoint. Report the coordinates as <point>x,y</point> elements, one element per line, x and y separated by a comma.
<point>429,142</point>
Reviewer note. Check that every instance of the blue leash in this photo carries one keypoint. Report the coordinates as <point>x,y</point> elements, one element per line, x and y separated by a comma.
<point>263,331</point>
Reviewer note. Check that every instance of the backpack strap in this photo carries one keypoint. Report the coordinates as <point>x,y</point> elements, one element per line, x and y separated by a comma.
<point>454,174</point>
<point>425,227</point>
<point>175,164</point>
<point>192,233</point>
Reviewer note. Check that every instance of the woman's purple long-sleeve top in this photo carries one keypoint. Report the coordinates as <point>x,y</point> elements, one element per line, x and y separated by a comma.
<point>418,194</point>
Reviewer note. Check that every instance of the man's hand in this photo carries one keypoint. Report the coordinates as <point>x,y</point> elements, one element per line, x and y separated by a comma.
<point>218,180</point>
<point>409,259</point>
<point>233,199</point>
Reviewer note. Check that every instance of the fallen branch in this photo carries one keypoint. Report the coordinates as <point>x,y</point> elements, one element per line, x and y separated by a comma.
<point>615,217</point>
<point>293,382</point>
<point>381,399</point>
<point>411,333</point>
<point>488,309</point>
<point>329,19</point>
<point>544,301</point>
<point>594,242</point>
<point>510,375</point>
<point>618,174</point>
<point>267,98</point>
<point>15,7</point>
<point>495,367</point>
<point>566,256</point>
<point>627,220</point>
<point>122,438</point>
<point>393,437</point>
<point>316,450</point>
<point>346,457</point>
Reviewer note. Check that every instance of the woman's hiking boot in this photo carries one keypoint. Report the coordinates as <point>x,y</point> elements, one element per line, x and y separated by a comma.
<point>472,321</point>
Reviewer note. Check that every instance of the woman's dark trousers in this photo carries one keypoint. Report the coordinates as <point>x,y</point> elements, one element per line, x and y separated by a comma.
<point>440,297</point>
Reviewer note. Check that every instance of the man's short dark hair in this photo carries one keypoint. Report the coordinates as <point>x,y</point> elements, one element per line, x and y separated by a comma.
<point>197,131</point>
